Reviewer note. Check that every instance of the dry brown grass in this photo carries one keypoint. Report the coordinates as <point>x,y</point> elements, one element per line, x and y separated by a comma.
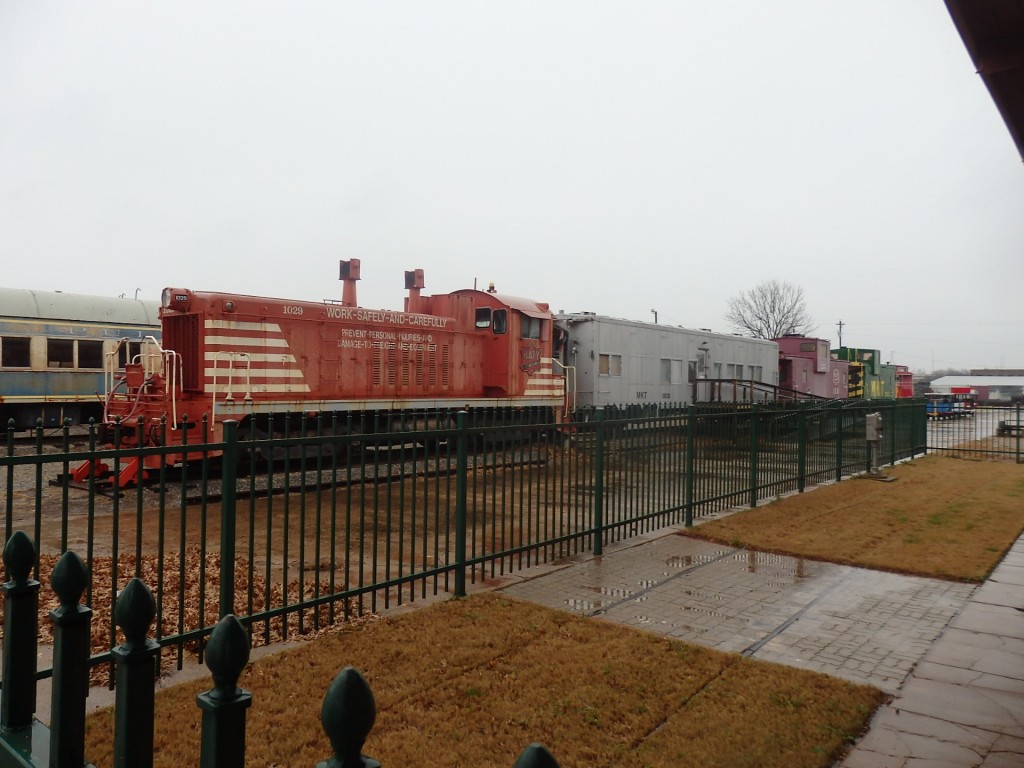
<point>471,682</point>
<point>942,517</point>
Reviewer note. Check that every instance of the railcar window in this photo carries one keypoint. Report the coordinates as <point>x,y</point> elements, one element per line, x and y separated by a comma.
<point>666,371</point>
<point>483,317</point>
<point>756,372</point>
<point>609,365</point>
<point>691,371</point>
<point>531,327</point>
<point>14,352</point>
<point>90,354</point>
<point>60,353</point>
<point>500,321</point>
<point>808,346</point>
<point>128,352</point>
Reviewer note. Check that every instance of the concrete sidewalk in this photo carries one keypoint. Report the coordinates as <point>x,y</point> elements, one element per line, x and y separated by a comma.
<point>951,655</point>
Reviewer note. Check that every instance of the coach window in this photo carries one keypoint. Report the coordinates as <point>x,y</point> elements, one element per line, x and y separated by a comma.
<point>129,352</point>
<point>90,354</point>
<point>60,353</point>
<point>14,352</point>
<point>483,317</point>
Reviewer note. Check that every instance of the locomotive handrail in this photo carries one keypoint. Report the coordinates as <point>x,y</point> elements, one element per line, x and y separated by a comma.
<point>169,368</point>
<point>228,396</point>
<point>568,400</point>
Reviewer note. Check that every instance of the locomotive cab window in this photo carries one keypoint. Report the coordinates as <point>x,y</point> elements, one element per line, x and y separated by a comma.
<point>499,321</point>
<point>531,327</point>
<point>14,352</point>
<point>495,319</point>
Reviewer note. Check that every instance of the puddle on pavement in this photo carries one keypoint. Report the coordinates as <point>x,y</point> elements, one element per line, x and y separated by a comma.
<point>617,592</point>
<point>689,561</point>
<point>581,604</point>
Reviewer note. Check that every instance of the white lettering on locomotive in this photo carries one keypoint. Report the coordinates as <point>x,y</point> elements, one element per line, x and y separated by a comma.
<point>335,312</point>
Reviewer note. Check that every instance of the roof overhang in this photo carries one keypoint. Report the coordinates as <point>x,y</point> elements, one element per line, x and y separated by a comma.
<point>993,32</point>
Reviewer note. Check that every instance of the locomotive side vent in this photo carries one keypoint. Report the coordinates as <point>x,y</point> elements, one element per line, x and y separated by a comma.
<point>432,369</point>
<point>445,381</point>
<point>376,374</point>
<point>392,367</point>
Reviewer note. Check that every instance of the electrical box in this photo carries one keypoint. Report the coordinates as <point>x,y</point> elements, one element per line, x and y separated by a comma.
<point>873,426</point>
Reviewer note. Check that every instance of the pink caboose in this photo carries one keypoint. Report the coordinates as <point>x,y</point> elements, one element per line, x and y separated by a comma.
<point>806,368</point>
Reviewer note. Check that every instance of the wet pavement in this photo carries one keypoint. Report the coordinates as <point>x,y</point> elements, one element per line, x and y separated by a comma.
<point>951,655</point>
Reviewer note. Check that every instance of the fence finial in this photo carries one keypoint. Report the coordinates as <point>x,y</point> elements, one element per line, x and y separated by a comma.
<point>19,557</point>
<point>134,612</point>
<point>348,714</point>
<point>226,654</point>
<point>536,756</point>
<point>69,580</point>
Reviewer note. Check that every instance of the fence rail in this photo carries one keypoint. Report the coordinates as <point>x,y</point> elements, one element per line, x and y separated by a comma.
<point>355,523</point>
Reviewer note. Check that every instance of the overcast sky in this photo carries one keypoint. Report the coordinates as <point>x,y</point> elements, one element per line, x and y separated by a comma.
<point>613,157</point>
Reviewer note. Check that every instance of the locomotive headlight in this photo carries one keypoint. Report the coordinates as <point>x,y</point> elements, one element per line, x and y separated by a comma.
<point>175,299</point>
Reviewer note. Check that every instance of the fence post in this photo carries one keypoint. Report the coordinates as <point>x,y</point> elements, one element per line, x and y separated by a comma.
<point>754,416</point>
<point>461,472</point>
<point>599,481</point>
<point>21,627</point>
<point>229,470</point>
<point>801,448</point>
<point>892,434</point>
<point>1020,428</point>
<point>135,662</point>
<point>691,462</point>
<point>223,736</point>
<point>839,441</point>
<point>72,622</point>
<point>347,715</point>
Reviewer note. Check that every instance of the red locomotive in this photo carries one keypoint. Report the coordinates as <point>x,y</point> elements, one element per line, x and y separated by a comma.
<point>225,356</point>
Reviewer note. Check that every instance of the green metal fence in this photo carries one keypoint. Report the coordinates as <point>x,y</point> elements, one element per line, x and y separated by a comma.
<point>318,523</point>
<point>986,432</point>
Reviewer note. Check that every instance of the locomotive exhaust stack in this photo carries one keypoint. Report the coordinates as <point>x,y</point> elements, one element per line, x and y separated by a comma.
<point>349,276</point>
<point>414,284</point>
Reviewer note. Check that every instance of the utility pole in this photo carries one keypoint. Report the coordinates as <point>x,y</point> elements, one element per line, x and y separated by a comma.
<point>840,326</point>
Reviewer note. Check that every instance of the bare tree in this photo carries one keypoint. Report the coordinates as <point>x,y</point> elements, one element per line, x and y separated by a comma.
<point>769,310</point>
